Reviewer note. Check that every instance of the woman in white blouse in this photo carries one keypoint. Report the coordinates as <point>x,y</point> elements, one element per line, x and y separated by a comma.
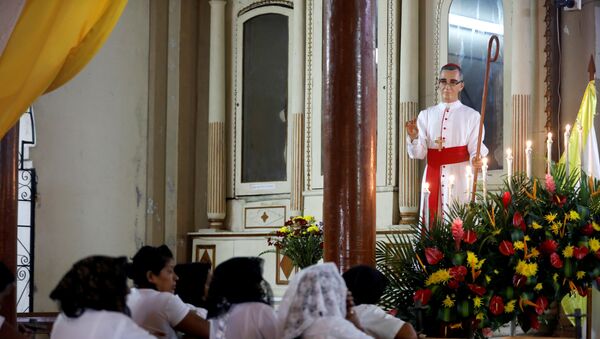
<point>316,305</point>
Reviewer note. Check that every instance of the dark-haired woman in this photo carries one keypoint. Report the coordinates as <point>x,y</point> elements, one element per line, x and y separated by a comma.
<point>239,301</point>
<point>367,286</point>
<point>193,285</point>
<point>91,297</point>
<point>152,302</point>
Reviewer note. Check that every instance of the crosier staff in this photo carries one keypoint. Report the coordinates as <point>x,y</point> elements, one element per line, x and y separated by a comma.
<point>489,60</point>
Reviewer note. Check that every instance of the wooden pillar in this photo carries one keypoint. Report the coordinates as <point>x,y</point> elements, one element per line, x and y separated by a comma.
<point>349,131</point>
<point>8,217</point>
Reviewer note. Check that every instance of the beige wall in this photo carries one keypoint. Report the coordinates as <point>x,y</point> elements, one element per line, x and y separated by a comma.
<point>91,157</point>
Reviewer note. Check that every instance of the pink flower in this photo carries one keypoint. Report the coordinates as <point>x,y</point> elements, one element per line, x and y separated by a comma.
<point>550,184</point>
<point>457,231</point>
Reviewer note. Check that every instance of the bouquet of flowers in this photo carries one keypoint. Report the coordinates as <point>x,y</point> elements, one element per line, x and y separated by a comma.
<point>300,239</point>
<point>510,256</point>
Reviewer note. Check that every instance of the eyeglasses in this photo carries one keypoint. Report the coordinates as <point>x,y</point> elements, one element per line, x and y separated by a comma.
<point>452,82</point>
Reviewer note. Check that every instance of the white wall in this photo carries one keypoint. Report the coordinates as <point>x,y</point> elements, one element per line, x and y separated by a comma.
<point>91,157</point>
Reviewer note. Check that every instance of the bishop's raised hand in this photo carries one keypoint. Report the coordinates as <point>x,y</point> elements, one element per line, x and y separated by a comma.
<point>411,129</point>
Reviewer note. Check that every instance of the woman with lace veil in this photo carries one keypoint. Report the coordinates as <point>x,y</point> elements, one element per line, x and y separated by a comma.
<point>239,301</point>
<point>317,305</point>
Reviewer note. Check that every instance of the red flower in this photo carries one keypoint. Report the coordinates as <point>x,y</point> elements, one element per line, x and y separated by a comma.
<point>556,261</point>
<point>534,321</point>
<point>453,284</point>
<point>480,291</point>
<point>433,255</point>
<point>470,237</point>
<point>506,248</point>
<point>518,221</point>
<point>542,303</point>
<point>580,252</point>
<point>588,229</point>
<point>582,291</point>
<point>560,200</point>
<point>457,231</point>
<point>458,272</point>
<point>496,305</point>
<point>506,198</point>
<point>548,246</point>
<point>519,280</point>
<point>422,296</point>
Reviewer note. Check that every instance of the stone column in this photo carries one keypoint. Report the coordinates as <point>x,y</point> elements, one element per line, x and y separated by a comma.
<point>408,176</point>
<point>522,73</point>
<point>297,109</point>
<point>216,117</point>
<point>349,131</point>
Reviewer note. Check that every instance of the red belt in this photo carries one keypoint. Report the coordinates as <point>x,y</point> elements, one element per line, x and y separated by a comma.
<point>435,159</point>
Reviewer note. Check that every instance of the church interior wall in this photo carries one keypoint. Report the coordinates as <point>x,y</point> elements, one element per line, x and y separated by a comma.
<point>91,157</point>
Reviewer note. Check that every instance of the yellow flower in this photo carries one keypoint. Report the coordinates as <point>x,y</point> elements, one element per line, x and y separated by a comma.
<point>526,238</point>
<point>480,316</point>
<point>526,269</point>
<point>313,229</point>
<point>594,244</point>
<point>555,228</point>
<point>550,217</point>
<point>568,251</point>
<point>510,306</point>
<point>534,253</point>
<point>555,277</point>
<point>473,261</point>
<point>488,279</point>
<point>596,226</point>
<point>580,275</point>
<point>477,302</point>
<point>441,276</point>
<point>518,245</point>
<point>538,287</point>
<point>284,229</point>
<point>448,302</point>
<point>536,226</point>
<point>573,215</point>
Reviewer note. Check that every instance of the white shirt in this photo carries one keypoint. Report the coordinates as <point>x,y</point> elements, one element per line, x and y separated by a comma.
<point>459,127</point>
<point>93,324</point>
<point>251,320</point>
<point>377,322</point>
<point>333,328</point>
<point>156,311</point>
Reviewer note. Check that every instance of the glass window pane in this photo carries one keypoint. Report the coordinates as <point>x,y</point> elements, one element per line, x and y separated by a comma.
<point>264,110</point>
<point>471,23</point>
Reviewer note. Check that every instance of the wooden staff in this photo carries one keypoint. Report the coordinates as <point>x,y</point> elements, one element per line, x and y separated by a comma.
<point>489,60</point>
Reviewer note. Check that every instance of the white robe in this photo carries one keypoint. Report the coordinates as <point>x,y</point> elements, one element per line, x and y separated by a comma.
<point>459,128</point>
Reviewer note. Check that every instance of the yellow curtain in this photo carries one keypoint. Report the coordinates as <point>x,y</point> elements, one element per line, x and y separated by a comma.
<point>51,42</point>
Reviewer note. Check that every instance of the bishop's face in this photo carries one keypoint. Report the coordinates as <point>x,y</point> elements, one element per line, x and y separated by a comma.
<point>450,85</point>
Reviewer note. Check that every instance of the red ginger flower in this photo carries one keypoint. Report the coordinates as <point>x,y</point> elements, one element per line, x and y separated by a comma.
<point>550,184</point>
<point>458,231</point>
<point>556,261</point>
<point>580,252</point>
<point>458,272</point>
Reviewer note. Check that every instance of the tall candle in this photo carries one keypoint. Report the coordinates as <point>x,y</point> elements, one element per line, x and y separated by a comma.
<point>484,168</point>
<point>509,163</point>
<point>469,177</point>
<point>549,147</point>
<point>426,204</point>
<point>528,160</point>
<point>567,142</point>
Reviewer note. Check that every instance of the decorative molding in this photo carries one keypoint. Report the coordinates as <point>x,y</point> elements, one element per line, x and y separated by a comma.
<point>436,45</point>
<point>408,176</point>
<point>206,254</point>
<point>284,268</point>
<point>520,111</point>
<point>390,92</point>
<point>308,99</point>
<point>296,201</point>
<point>216,173</point>
<point>264,217</point>
<point>263,3</point>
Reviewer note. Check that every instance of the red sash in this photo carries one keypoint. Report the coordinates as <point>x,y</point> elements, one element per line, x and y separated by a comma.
<point>435,159</point>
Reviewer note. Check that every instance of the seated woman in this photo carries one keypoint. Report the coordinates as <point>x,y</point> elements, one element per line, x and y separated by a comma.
<point>7,284</point>
<point>192,285</point>
<point>367,286</point>
<point>315,306</point>
<point>152,303</point>
<point>239,301</point>
<point>91,297</point>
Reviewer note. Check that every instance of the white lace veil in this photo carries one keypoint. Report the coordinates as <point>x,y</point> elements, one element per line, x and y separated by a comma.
<point>316,291</point>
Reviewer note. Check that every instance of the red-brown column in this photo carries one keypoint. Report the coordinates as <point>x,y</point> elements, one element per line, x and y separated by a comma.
<point>349,131</point>
<point>8,214</point>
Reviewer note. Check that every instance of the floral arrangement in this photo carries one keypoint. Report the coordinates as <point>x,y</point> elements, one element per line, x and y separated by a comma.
<point>510,257</point>
<point>300,239</point>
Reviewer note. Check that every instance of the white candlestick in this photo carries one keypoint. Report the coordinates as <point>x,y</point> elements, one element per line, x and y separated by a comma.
<point>450,189</point>
<point>509,169</point>
<point>528,160</point>
<point>549,147</point>
<point>567,142</point>
<point>469,177</point>
<point>426,204</point>
<point>484,168</point>
<point>580,130</point>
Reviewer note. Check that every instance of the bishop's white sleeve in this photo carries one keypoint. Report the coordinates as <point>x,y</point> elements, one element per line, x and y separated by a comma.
<point>473,135</point>
<point>417,149</point>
